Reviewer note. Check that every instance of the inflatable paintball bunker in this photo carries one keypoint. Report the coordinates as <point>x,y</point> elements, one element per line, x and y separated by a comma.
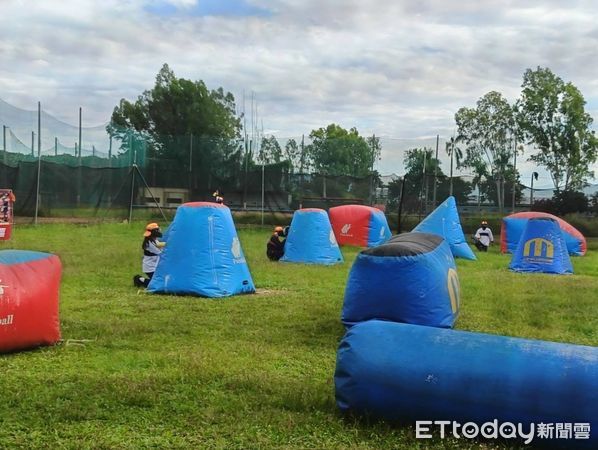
<point>541,248</point>
<point>412,279</point>
<point>407,372</point>
<point>203,256</point>
<point>311,239</point>
<point>29,289</point>
<point>444,221</point>
<point>513,226</point>
<point>359,225</point>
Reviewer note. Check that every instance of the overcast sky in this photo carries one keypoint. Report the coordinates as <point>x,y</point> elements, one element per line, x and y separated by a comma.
<point>399,69</point>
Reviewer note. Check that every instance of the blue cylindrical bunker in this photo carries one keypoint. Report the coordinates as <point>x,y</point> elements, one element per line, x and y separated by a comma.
<point>406,372</point>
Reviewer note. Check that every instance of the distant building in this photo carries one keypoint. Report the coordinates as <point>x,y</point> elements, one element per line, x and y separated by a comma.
<point>382,192</point>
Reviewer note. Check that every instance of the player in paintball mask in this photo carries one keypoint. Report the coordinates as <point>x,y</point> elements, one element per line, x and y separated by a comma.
<point>152,248</point>
<point>483,237</point>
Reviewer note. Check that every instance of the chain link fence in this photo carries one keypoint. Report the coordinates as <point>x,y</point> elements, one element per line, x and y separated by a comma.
<point>60,170</point>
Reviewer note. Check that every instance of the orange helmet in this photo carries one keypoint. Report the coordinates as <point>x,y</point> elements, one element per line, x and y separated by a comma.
<point>278,230</point>
<point>149,228</point>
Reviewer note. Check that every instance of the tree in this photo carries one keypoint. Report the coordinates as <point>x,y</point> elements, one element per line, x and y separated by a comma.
<point>270,151</point>
<point>594,203</point>
<point>487,186</point>
<point>564,202</point>
<point>488,132</point>
<point>552,117</point>
<point>184,122</point>
<point>420,166</point>
<point>292,153</point>
<point>336,151</point>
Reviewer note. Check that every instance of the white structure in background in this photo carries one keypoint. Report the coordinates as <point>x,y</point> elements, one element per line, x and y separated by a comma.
<point>382,192</point>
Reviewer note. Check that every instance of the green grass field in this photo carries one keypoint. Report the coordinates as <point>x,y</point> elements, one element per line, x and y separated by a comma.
<point>142,371</point>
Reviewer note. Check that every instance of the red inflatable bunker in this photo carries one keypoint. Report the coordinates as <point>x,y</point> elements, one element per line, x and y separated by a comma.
<point>359,225</point>
<point>29,286</point>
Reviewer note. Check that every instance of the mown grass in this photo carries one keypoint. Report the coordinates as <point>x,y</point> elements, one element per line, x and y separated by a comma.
<point>142,371</point>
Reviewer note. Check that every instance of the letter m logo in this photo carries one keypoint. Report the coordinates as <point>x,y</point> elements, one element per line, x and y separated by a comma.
<point>539,247</point>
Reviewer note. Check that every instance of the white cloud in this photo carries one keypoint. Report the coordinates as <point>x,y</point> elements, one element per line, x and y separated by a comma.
<point>397,69</point>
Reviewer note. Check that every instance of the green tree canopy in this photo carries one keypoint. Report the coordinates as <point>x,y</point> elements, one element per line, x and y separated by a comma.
<point>336,151</point>
<point>270,151</point>
<point>419,183</point>
<point>489,134</point>
<point>552,118</point>
<point>166,116</point>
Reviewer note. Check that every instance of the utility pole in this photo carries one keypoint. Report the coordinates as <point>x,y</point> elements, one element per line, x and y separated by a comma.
<point>372,169</point>
<point>190,164</point>
<point>80,146</point>
<point>531,195</point>
<point>452,147</point>
<point>4,156</point>
<point>39,157</point>
<point>514,188</point>
<point>435,172</point>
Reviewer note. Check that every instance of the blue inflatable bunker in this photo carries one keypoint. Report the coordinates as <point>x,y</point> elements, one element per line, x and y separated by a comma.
<point>513,226</point>
<point>407,372</point>
<point>541,248</point>
<point>412,279</point>
<point>444,221</point>
<point>311,239</point>
<point>203,255</point>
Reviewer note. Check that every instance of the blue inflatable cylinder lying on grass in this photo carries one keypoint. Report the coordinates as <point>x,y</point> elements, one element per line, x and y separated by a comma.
<point>407,372</point>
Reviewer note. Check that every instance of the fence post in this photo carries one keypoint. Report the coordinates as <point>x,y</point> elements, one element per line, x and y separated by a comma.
<point>436,172</point>
<point>190,164</point>
<point>55,146</point>
<point>514,184</point>
<point>451,177</point>
<point>263,192</point>
<point>39,158</point>
<point>80,143</point>
<point>4,157</point>
<point>33,143</point>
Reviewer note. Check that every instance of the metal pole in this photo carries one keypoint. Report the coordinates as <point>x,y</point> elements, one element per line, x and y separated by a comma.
<point>372,169</point>
<point>422,190</point>
<point>190,163</point>
<point>435,171</point>
<point>4,155</point>
<point>33,143</point>
<point>39,158</point>
<point>401,205</point>
<point>55,146</point>
<point>132,193</point>
<point>513,187</point>
<point>262,192</point>
<point>531,195</point>
<point>80,146</point>
<point>452,145</point>
<point>110,149</point>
